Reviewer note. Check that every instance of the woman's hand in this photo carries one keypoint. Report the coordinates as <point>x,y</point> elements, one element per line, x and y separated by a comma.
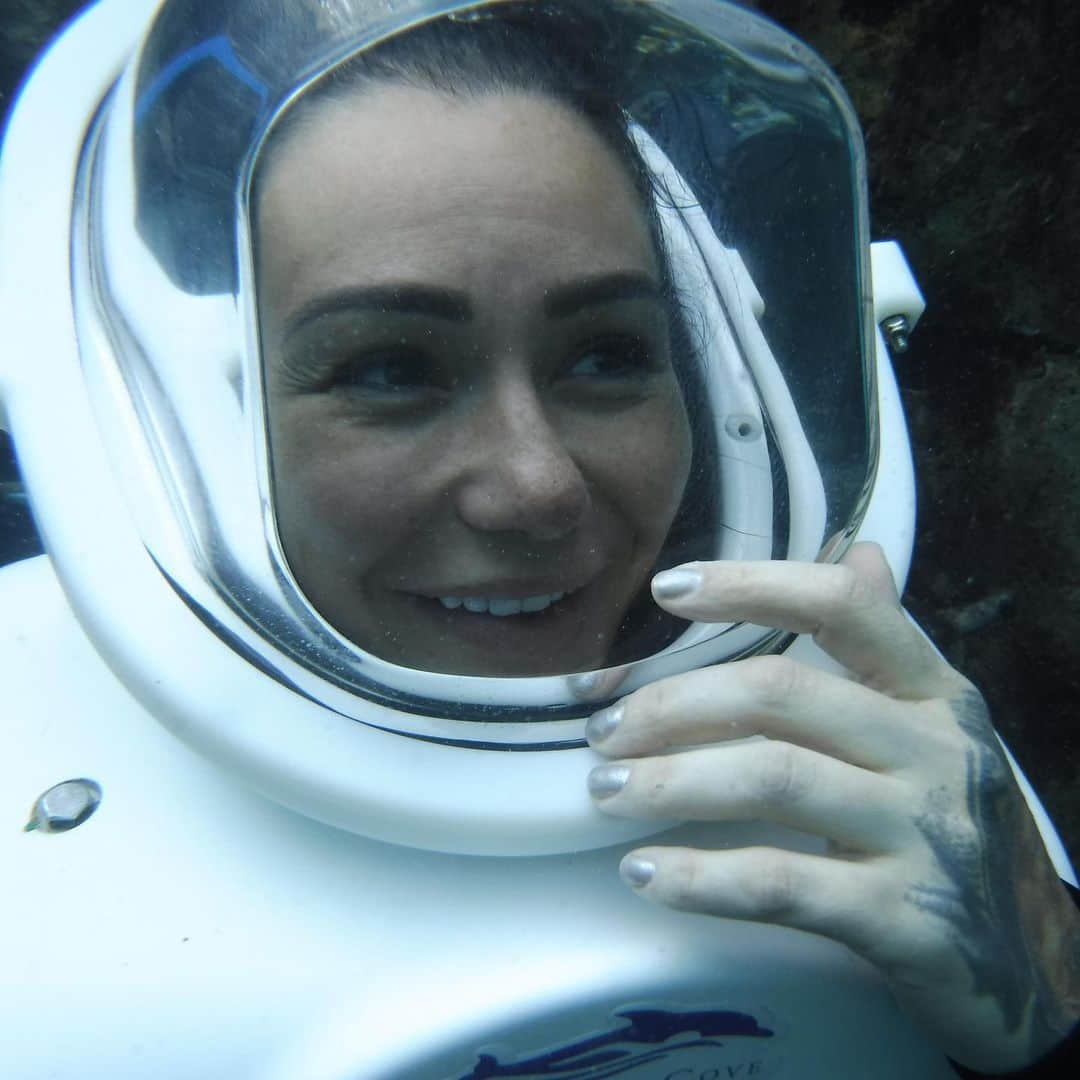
<point>935,870</point>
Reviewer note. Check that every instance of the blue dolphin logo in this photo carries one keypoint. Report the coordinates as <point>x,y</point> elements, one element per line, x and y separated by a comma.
<point>639,1042</point>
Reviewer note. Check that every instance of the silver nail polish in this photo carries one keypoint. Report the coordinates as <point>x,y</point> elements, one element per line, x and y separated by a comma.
<point>673,584</point>
<point>601,724</point>
<point>637,871</point>
<point>583,686</point>
<point>607,780</point>
<point>596,685</point>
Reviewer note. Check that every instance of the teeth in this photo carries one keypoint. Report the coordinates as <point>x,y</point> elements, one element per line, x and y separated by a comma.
<point>510,606</point>
<point>538,603</point>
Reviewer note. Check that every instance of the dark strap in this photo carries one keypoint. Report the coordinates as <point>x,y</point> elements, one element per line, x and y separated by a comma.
<point>1062,1061</point>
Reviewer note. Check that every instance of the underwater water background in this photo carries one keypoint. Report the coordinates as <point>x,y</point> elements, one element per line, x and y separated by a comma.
<point>974,167</point>
<point>968,113</point>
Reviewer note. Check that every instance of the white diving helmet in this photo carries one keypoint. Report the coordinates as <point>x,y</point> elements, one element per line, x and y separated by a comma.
<point>179,569</point>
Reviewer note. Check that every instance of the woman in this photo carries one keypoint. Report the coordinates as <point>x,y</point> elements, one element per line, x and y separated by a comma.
<point>479,446</point>
<point>445,415</point>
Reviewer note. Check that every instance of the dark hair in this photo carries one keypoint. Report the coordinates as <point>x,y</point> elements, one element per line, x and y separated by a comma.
<point>480,55</point>
<point>517,51</point>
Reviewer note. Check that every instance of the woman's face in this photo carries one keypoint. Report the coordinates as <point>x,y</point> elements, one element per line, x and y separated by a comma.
<point>478,442</point>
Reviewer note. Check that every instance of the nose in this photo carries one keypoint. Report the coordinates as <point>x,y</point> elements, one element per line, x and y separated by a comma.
<point>522,477</point>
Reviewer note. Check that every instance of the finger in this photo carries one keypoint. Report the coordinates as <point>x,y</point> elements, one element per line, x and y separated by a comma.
<point>846,607</point>
<point>597,685</point>
<point>761,781</point>
<point>767,695</point>
<point>842,899</point>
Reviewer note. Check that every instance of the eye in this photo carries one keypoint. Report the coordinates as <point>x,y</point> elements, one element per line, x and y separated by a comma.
<point>389,372</point>
<point>614,358</point>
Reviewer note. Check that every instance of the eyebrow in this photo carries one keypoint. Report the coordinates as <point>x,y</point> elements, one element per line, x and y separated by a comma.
<point>570,299</point>
<point>397,299</point>
<point>408,299</point>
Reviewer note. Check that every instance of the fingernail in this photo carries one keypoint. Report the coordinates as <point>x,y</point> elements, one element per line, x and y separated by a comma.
<point>607,780</point>
<point>596,685</point>
<point>636,871</point>
<point>673,584</point>
<point>601,724</point>
<point>584,686</point>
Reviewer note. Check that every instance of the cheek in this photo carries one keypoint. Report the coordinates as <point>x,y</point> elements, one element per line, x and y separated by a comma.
<point>646,463</point>
<point>340,492</point>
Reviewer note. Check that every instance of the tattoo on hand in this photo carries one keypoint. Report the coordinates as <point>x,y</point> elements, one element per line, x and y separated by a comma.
<point>992,871</point>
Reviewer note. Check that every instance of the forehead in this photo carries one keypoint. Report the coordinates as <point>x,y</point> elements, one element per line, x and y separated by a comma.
<point>394,182</point>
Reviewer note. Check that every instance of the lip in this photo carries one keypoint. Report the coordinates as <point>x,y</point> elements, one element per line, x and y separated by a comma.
<point>570,579</point>
<point>554,641</point>
<point>504,588</point>
<point>567,635</point>
<point>546,629</point>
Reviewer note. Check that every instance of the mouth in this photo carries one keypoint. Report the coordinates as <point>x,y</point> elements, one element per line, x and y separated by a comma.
<point>501,606</point>
<point>503,597</point>
<point>525,626</point>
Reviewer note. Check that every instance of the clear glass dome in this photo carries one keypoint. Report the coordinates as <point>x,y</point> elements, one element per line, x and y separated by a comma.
<point>441,327</point>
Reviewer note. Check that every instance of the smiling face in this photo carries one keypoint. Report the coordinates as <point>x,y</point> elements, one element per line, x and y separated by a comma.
<point>477,439</point>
